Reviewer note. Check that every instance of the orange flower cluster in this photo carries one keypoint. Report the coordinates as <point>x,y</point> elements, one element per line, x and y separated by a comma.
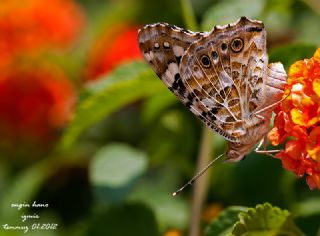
<point>36,101</point>
<point>36,96</point>
<point>34,24</point>
<point>297,121</point>
<point>117,45</point>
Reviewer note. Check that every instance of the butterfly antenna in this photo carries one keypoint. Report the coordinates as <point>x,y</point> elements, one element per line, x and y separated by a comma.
<point>191,181</point>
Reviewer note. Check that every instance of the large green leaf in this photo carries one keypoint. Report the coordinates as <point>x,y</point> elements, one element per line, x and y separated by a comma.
<point>277,17</point>
<point>114,169</point>
<point>127,84</point>
<point>116,164</point>
<point>265,220</point>
<point>229,11</point>
<point>307,26</point>
<point>155,190</point>
<point>275,14</point>
<point>223,224</point>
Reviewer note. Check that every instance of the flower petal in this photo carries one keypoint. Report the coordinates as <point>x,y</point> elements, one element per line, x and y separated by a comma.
<point>295,70</point>
<point>314,181</point>
<point>297,117</point>
<point>274,136</point>
<point>316,56</point>
<point>313,145</point>
<point>316,86</point>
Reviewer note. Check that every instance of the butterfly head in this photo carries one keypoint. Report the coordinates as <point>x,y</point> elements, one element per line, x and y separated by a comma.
<point>236,151</point>
<point>233,156</point>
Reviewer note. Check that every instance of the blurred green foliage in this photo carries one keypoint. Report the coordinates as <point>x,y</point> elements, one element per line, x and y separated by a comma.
<point>131,143</point>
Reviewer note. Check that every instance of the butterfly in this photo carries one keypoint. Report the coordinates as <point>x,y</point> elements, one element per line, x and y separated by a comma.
<point>222,77</point>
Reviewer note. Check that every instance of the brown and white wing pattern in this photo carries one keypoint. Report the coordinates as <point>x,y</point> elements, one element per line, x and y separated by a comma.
<point>163,47</point>
<point>225,71</point>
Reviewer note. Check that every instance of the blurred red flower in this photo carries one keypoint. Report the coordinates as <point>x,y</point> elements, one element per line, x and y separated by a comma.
<point>117,45</point>
<point>298,118</point>
<point>33,24</point>
<point>36,101</point>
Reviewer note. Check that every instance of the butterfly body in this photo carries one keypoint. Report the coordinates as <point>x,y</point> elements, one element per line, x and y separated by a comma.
<point>222,76</point>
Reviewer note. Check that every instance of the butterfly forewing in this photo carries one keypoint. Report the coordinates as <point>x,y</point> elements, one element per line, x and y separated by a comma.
<point>163,46</point>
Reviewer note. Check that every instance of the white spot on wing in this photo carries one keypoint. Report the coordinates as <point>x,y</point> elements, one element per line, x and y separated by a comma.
<point>168,77</point>
<point>178,51</point>
<point>198,74</point>
<point>151,55</point>
<point>147,56</point>
<point>173,67</point>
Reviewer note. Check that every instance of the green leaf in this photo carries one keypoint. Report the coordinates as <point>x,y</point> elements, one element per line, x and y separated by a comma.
<point>114,169</point>
<point>154,106</point>
<point>231,10</point>
<point>309,224</point>
<point>169,211</point>
<point>125,85</point>
<point>116,164</point>
<point>128,219</point>
<point>155,190</point>
<point>277,17</point>
<point>288,54</point>
<point>308,214</point>
<point>222,225</point>
<point>307,27</point>
<point>265,220</point>
<point>308,207</point>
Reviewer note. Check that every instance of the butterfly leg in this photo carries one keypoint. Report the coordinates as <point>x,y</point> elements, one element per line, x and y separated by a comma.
<point>265,151</point>
<point>258,116</point>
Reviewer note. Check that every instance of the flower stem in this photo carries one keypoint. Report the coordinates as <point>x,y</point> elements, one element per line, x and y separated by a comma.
<point>188,15</point>
<point>201,185</point>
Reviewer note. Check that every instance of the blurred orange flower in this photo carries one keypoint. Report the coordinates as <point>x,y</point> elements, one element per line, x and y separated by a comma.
<point>298,117</point>
<point>33,24</point>
<point>36,101</point>
<point>117,45</point>
<point>173,232</point>
<point>211,212</point>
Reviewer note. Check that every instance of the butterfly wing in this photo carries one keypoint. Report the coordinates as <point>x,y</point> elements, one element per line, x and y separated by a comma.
<point>163,46</point>
<point>225,72</point>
